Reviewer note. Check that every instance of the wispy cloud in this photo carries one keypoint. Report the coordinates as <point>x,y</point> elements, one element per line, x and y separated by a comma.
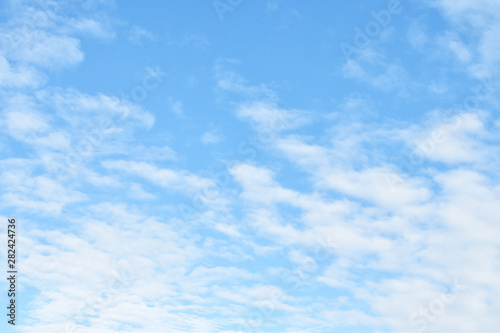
<point>139,34</point>
<point>286,190</point>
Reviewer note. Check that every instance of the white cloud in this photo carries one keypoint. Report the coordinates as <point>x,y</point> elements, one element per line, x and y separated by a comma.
<point>391,77</point>
<point>113,291</point>
<point>91,27</point>
<point>483,20</point>
<point>39,194</point>
<point>104,239</point>
<point>453,43</point>
<point>230,81</point>
<point>379,221</point>
<point>41,49</point>
<point>268,117</point>
<point>352,69</point>
<point>211,138</point>
<point>19,76</point>
<point>272,6</point>
<point>175,106</point>
<point>22,124</point>
<point>167,178</point>
<point>139,34</point>
<point>136,191</point>
<point>456,140</point>
<point>417,36</point>
<point>75,106</point>
<point>196,41</point>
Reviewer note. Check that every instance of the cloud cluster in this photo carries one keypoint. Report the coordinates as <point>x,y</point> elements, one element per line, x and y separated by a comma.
<point>331,232</point>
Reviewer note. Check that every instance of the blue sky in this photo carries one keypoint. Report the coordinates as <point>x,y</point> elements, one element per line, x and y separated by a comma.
<point>252,166</point>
